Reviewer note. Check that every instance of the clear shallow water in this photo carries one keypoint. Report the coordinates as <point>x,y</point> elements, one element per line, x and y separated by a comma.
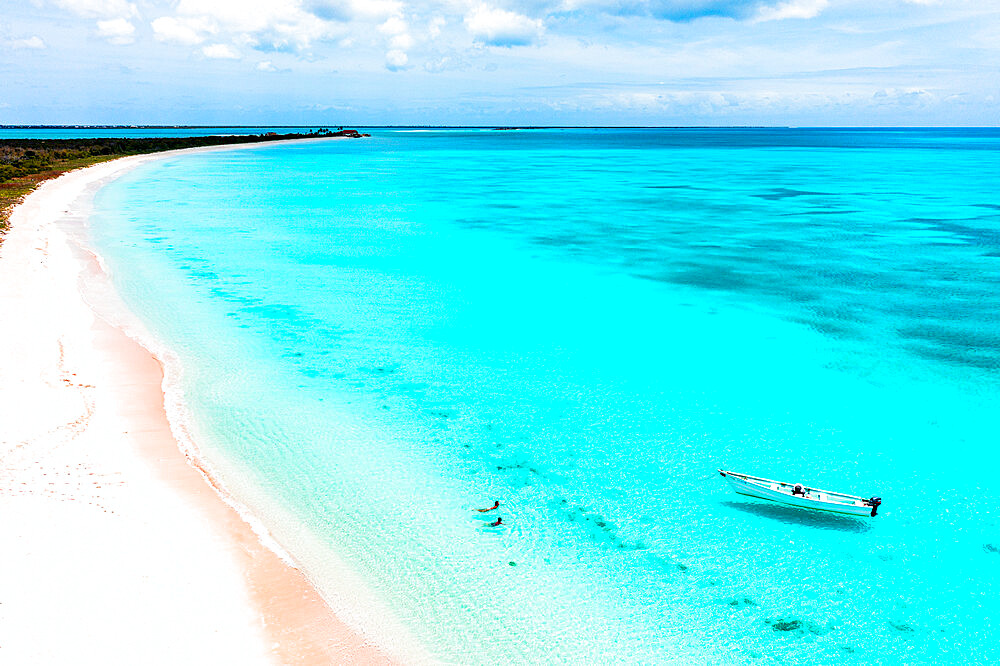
<point>379,336</point>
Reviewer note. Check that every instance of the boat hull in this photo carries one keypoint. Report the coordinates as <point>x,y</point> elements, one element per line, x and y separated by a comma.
<point>815,503</point>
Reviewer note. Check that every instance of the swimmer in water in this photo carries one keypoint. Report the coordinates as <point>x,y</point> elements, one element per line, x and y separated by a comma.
<point>498,522</point>
<point>495,505</point>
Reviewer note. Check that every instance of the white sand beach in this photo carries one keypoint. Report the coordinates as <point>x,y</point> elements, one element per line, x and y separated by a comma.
<point>116,549</point>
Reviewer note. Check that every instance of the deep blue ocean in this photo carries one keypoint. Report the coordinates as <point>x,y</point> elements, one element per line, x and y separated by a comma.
<point>376,337</point>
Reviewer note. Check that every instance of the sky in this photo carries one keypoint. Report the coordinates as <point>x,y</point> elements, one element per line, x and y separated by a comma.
<point>509,62</point>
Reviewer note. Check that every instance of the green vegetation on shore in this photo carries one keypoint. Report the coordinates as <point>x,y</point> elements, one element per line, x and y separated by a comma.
<point>24,163</point>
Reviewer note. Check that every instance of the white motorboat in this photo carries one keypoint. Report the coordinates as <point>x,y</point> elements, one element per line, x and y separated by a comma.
<point>804,497</point>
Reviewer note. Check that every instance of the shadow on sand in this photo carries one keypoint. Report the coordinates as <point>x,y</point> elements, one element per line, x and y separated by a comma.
<point>787,514</point>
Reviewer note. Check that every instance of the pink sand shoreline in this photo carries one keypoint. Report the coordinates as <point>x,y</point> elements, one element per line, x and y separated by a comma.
<point>110,515</point>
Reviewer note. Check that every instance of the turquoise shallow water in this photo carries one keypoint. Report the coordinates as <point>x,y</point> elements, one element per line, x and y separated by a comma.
<point>378,336</point>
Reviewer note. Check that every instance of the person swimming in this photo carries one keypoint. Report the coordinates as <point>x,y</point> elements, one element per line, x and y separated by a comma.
<point>496,504</point>
<point>497,523</point>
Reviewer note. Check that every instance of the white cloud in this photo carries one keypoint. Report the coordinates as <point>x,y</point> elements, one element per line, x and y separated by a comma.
<point>435,26</point>
<point>394,25</point>
<point>266,66</point>
<point>117,31</point>
<point>903,96</point>
<point>34,42</point>
<point>188,31</point>
<point>352,10</point>
<point>800,9</point>
<point>221,52</point>
<point>499,27</point>
<point>373,10</point>
<point>773,98</point>
<point>99,8</point>
<point>266,25</point>
<point>439,65</point>
<point>240,15</point>
<point>396,60</point>
<point>402,42</point>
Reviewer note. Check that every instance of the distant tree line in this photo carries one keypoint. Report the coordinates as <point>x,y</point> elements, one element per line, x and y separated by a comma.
<point>24,163</point>
<point>24,157</point>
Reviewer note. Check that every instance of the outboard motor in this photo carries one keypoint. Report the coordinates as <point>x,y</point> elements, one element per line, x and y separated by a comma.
<point>874,504</point>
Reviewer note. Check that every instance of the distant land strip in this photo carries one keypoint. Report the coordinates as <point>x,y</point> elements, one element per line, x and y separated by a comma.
<point>25,163</point>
